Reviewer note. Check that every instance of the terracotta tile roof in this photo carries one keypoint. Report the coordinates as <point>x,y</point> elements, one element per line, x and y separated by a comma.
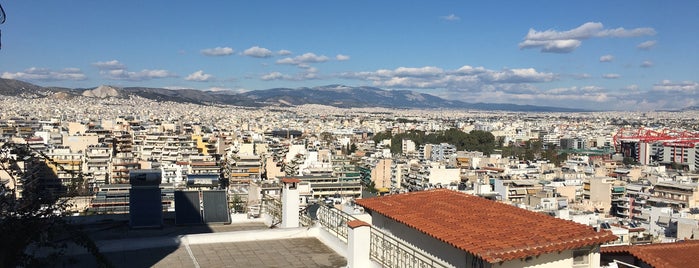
<point>678,254</point>
<point>356,223</point>
<point>290,180</point>
<point>493,231</point>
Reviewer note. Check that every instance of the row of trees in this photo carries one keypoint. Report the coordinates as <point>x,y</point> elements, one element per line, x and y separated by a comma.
<point>476,140</point>
<point>534,150</point>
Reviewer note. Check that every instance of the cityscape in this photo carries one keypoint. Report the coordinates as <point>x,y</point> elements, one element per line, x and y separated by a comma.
<point>404,135</point>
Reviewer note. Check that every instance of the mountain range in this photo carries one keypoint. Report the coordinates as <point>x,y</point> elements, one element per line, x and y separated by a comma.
<point>332,95</point>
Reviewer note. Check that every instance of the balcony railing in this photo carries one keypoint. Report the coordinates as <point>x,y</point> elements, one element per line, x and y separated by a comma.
<point>392,252</point>
<point>335,221</point>
<point>273,207</point>
<point>384,248</point>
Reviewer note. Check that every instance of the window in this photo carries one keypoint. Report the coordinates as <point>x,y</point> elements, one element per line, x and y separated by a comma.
<point>581,258</point>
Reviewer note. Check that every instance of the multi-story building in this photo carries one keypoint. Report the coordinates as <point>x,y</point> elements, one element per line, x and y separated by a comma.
<point>381,174</point>
<point>98,159</point>
<point>676,195</point>
<point>67,166</point>
<point>683,153</point>
<point>123,158</point>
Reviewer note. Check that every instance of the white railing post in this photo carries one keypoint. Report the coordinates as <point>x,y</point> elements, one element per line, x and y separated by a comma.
<point>358,239</point>
<point>290,203</point>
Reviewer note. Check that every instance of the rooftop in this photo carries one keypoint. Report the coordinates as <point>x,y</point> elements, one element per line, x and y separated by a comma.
<point>490,230</point>
<point>679,254</point>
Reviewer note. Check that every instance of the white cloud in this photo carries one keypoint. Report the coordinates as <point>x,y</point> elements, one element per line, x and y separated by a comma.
<point>275,76</point>
<point>582,76</point>
<point>451,17</point>
<point>567,41</point>
<point>552,46</point>
<point>474,78</point>
<point>303,59</point>
<point>646,64</point>
<point>283,52</point>
<point>142,75</point>
<point>647,45</point>
<point>606,58</point>
<point>109,65</point>
<point>43,74</point>
<point>217,51</point>
<point>684,86</point>
<point>611,76</point>
<point>258,52</point>
<point>341,57</point>
<point>199,76</point>
<point>309,73</point>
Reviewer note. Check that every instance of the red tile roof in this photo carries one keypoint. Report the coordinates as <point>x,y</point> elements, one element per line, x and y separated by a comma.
<point>679,254</point>
<point>356,223</point>
<point>493,231</point>
<point>290,180</point>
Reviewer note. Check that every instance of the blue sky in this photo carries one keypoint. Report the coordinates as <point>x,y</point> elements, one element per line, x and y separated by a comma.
<point>621,55</point>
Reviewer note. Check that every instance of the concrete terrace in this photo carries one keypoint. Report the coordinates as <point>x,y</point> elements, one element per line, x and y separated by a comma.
<point>242,244</point>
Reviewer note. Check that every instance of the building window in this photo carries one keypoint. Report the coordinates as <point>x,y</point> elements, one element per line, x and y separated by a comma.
<point>581,258</point>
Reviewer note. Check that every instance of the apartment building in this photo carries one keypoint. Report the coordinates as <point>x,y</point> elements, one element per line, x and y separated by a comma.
<point>675,194</point>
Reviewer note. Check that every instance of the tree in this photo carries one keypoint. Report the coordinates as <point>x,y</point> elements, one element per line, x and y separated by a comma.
<point>35,220</point>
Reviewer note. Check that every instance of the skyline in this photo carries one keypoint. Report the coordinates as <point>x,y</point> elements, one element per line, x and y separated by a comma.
<point>637,55</point>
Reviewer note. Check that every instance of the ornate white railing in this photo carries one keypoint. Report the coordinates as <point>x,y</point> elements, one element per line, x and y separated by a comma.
<point>273,207</point>
<point>390,251</point>
<point>335,221</point>
<point>384,248</point>
<point>304,219</point>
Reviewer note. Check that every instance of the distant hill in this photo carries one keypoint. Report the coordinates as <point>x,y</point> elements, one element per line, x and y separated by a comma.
<point>332,95</point>
<point>344,96</point>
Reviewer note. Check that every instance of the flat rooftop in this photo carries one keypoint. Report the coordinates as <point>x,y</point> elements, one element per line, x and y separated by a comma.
<point>293,252</point>
<point>248,243</point>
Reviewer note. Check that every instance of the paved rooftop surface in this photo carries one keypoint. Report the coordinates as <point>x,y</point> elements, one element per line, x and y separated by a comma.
<point>294,252</point>
<point>162,247</point>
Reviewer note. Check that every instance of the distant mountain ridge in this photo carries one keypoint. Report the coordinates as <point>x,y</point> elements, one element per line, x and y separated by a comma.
<point>332,95</point>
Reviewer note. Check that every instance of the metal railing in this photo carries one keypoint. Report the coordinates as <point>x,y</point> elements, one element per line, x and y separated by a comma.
<point>304,219</point>
<point>335,221</point>
<point>273,207</point>
<point>384,248</point>
<point>390,251</point>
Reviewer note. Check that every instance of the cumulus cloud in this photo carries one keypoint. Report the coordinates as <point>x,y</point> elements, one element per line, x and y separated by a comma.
<point>283,52</point>
<point>451,17</point>
<point>606,58</point>
<point>684,86</point>
<point>217,51</point>
<point>116,70</point>
<point>567,41</point>
<point>341,57</point>
<point>145,74</point>
<point>611,76</point>
<point>275,76</point>
<point>464,77</point>
<point>646,64</point>
<point>647,45</point>
<point>199,76</point>
<point>303,59</point>
<point>258,52</point>
<point>109,65</point>
<point>44,74</point>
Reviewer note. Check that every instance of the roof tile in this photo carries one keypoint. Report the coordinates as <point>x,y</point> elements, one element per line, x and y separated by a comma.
<point>678,254</point>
